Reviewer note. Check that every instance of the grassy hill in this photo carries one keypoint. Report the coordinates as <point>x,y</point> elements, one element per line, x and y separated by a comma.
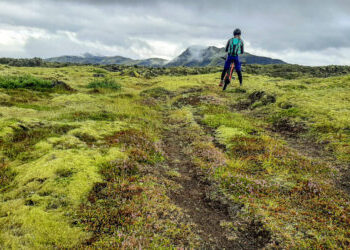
<point>129,157</point>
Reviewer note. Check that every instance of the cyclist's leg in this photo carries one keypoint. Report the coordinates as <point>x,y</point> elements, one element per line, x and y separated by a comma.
<point>226,67</point>
<point>222,78</point>
<point>238,67</point>
<point>240,77</point>
<point>223,74</point>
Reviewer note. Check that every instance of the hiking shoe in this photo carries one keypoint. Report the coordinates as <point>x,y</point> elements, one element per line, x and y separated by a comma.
<point>221,83</point>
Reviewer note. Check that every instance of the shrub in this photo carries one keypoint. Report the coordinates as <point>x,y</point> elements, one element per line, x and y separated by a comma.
<point>25,82</point>
<point>33,62</point>
<point>289,71</point>
<point>104,84</point>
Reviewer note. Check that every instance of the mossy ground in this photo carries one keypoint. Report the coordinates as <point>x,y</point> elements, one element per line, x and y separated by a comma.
<point>87,167</point>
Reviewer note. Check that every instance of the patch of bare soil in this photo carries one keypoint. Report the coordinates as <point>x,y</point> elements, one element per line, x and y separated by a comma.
<point>344,179</point>
<point>208,214</point>
<point>288,127</point>
<point>257,96</point>
<point>195,100</point>
<point>192,90</point>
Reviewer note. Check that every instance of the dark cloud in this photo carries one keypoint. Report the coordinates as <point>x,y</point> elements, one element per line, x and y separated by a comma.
<point>142,28</point>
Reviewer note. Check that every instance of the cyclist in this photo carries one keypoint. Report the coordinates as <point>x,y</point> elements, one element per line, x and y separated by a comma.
<point>234,47</point>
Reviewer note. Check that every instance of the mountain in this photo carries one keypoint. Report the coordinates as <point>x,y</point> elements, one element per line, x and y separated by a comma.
<point>155,62</point>
<point>105,60</point>
<point>212,56</point>
<point>194,56</point>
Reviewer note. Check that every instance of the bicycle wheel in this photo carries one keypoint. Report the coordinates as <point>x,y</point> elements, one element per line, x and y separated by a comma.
<point>228,76</point>
<point>226,83</point>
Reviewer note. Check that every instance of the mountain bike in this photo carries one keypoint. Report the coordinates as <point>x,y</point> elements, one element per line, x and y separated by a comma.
<point>228,75</point>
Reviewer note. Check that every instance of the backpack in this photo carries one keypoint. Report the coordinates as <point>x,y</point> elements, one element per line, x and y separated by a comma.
<point>235,46</point>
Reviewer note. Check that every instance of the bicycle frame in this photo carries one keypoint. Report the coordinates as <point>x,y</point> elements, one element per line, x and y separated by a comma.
<point>231,71</point>
<point>228,76</point>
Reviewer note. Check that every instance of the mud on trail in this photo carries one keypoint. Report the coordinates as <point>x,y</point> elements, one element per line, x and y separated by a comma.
<point>208,215</point>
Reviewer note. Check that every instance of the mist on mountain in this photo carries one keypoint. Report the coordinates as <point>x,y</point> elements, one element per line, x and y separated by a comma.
<point>193,56</point>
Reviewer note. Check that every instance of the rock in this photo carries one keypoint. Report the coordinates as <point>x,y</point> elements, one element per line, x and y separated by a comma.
<point>62,85</point>
<point>98,75</point>
<point>256,96</point>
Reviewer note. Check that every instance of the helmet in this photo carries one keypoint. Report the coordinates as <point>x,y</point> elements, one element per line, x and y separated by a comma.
<point>237,32</point>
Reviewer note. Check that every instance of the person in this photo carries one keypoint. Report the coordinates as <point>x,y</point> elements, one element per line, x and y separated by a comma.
<point>234,47</point>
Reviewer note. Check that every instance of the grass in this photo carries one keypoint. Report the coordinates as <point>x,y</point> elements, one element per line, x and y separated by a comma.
<point>104,84</point>
<point>24,82</point>
<point>80,169</point>
<point>291,194</point>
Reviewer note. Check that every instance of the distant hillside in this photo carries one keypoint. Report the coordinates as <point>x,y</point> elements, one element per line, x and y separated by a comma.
<point>105,60</point>
<point>212,56</point>
<point>192,57</point>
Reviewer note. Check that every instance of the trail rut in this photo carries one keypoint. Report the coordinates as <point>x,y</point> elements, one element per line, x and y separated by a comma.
<point>207,215</point>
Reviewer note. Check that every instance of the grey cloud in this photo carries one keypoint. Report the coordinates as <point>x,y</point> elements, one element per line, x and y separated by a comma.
<point>270,25</point>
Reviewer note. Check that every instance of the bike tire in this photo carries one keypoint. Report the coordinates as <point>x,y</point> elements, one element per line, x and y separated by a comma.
<point>228,76</point>
<point>227,82</point>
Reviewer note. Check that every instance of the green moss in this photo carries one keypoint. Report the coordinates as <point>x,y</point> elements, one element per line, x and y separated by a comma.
<point>115,207</point>
<point>83,116</point>
<point>48,190</point>
<point>63,142</point>
<point>225,134</point>
<point>278,184</point>
<point>229,120</point>
<point>34,106</point>
<point>104,84</point>
<point>25,81</point>
<point>158,93</point>
<point>99,71</point>
<point>64,100</point>
<point>84,170</point>
<point>6,175</point>
<point>44,177</point>
<point>181,115</point>
<point>24,137</point>
<point>95,130</point>
<point>4,98</point>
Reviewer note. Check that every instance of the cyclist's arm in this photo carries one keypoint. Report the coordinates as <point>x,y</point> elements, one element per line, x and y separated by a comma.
<point>227,45</point>
<point>242,47</point>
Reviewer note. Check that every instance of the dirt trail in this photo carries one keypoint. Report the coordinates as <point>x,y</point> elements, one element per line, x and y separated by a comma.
<point>207,215</point>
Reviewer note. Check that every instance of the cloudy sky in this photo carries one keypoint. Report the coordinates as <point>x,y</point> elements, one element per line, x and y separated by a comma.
<point>308,32</point>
